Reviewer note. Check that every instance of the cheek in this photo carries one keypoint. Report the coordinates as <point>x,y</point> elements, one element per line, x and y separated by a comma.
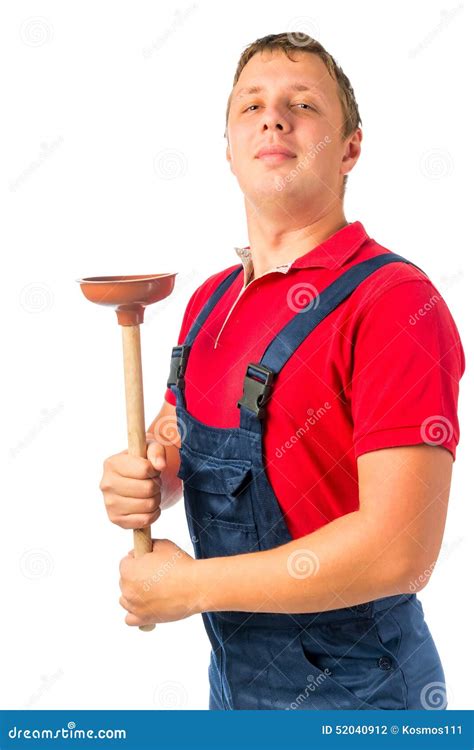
<point>241,152</point>
<point>321,154</point>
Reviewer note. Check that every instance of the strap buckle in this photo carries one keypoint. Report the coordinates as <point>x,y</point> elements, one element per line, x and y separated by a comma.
<point>257,386</point>
<point>179,359</point>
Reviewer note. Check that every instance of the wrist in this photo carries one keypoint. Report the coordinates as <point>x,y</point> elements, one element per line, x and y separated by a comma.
<point>203,585</point>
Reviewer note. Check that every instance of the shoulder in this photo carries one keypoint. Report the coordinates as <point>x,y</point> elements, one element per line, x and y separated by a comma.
<point>199,298</point>
<point>399,297</point>
<point>205,290</point>
<point>391,274</point>
<point>396,288</point>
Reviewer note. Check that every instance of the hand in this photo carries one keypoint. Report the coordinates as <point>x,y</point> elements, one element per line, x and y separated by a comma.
<point>159,586</point>
<point>131,486</point>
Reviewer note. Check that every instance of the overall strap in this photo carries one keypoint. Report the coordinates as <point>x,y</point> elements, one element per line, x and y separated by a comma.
<point>260,375</point>
<point>179,354</point>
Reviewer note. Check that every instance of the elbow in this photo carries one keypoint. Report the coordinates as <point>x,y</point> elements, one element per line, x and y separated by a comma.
<point>414,573</point>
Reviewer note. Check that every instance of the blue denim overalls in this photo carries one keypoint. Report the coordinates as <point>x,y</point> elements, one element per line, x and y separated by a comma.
<point>375,655</point>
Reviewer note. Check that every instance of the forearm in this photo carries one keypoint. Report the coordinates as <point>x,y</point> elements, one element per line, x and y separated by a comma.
<point>171,484</point>
<point>342,564</point>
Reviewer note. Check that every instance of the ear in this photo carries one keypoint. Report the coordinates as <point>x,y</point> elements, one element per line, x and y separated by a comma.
<point>228,156</point>
<point>352,151</point>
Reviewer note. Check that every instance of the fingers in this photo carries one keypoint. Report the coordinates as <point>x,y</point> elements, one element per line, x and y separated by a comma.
<point>137,521</point>
<point>156,454</point>
<point>131,467</point>
<point>139,489</point>
<point>120,505</point>
<point>130,618</point>
<point>131,487</point>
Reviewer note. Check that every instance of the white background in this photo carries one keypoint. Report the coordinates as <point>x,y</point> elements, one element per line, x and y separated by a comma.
<point>113,162</point>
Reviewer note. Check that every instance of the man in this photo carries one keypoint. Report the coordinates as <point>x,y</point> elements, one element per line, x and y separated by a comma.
<point>310,420</point>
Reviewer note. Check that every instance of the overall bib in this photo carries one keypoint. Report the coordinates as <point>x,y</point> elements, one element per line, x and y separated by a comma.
<point>375,655</point>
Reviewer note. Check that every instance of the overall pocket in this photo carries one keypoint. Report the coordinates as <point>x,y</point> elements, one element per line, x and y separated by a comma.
<point>358,665</point>
<point>218,503</point>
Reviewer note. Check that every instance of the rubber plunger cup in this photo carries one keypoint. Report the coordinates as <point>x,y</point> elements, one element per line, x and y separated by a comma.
<point>129,295</point>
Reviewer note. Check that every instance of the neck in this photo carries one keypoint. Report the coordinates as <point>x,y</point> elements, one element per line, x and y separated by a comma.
<point>278,239</point>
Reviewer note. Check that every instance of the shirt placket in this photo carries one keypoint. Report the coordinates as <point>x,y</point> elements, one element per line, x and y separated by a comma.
<point>246,259</point>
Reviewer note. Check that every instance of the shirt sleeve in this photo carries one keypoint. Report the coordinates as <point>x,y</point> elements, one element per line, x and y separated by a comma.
<point>186,323</point>
<point>407,363</point>
<point>196,303</point>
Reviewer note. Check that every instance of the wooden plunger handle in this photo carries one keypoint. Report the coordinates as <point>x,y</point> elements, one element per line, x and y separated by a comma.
<point>132,362</point>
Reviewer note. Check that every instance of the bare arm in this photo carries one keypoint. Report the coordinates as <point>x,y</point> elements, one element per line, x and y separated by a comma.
<point>164,430</point>
<point>380,550</point>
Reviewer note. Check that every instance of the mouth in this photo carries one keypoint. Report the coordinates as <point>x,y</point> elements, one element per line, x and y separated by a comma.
<point>275,158</point>
<point>275,154</point>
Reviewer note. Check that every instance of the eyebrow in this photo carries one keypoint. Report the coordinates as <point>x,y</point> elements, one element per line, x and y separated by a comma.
<point>293,87</point>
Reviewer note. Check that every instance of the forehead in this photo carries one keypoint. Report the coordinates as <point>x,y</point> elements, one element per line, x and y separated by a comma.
<point>270,67</point>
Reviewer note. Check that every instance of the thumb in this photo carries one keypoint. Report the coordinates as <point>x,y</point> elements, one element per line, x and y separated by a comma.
<point>156,454</point>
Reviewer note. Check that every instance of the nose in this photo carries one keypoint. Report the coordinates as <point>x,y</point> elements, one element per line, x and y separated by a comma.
<point>274,120</point>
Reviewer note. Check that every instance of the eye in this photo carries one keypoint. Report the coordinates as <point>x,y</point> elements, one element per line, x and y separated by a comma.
<point>299,104</point>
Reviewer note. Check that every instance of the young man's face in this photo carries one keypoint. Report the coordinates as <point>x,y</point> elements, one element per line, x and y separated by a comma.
<point>307,123</point>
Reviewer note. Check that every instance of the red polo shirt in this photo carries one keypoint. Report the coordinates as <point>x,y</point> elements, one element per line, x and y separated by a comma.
<point>381,370</point>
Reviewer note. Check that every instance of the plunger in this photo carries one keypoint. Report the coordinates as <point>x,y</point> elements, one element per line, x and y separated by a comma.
<point>129,295</point>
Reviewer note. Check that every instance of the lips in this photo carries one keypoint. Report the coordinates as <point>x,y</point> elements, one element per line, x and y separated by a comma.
<point>270,151</point>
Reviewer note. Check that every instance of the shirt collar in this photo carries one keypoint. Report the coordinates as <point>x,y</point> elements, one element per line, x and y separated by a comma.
<point>333,253</point>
